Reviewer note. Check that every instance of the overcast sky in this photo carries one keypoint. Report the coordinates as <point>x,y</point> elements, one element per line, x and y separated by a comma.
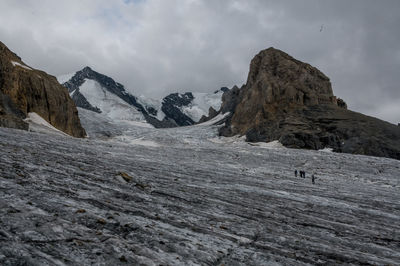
<point>155,47</point>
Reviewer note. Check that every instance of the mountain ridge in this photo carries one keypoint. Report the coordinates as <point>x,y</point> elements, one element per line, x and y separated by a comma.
<point>175,109</point>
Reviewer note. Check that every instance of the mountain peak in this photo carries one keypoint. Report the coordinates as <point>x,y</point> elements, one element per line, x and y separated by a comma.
<point>293,102</point>
<point>86,69</point>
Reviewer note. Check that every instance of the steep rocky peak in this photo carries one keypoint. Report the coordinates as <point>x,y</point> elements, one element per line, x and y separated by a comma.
<point>87,73</point>
<point>293,102</point>
<point>106,82</point>
<point>278,77</point>
<point>87,69</point>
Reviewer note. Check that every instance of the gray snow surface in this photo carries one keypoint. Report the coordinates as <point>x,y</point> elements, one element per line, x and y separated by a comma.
<point>192,199</point>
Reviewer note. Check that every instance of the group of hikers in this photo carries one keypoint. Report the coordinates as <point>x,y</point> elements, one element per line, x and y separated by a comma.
<point>303,175</point>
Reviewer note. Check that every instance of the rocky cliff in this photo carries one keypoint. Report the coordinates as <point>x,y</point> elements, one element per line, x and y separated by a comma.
<point>287,100</point>
<point>25,90</point>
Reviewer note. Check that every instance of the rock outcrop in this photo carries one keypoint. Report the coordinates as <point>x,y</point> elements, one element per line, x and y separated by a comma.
<point>172,104</point>
<point>287,100</point>
<point>25,90</point>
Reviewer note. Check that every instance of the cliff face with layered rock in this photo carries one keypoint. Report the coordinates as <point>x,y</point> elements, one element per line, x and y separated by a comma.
<point>287,100</point>
<point>31,90</point>
<point>24,90</point>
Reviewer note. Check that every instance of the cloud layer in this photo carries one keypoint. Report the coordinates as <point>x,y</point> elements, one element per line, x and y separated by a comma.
<point>159,46</point>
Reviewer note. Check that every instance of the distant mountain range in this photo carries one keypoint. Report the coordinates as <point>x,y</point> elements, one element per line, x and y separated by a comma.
<point>101,94</point>
<point>284,100</point>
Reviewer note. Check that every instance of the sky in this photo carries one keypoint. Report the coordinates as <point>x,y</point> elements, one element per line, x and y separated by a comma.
<point>155,47</point>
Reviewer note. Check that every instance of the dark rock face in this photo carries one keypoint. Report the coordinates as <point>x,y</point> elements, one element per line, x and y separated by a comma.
<point>341,103</point>
<point>31,90</point>
<point>171,104</point>
<point>10,115</point>
<point>230,99</point>
<point>290,101</point>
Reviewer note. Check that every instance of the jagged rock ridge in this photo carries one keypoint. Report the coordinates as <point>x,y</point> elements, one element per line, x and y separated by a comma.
<point>287,100</point>
<point>24,90</point>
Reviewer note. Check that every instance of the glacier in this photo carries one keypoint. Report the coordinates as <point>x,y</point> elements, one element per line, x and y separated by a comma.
<point>136,195</point>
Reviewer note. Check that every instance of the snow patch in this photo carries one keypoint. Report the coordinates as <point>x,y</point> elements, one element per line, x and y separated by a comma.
<point>214,120</point>
<point>20,65</point>
<point>326,150</point>
<point>38,124</point>
<point>268,145</point>
<point>72,93</point>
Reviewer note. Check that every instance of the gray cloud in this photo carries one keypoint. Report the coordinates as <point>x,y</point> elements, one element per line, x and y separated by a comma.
<point>159,46</point>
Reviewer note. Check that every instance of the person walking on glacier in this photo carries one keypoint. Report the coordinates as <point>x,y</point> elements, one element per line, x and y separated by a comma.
<point>295,173</point>
<point>303,174</point>
<point>313,178</point>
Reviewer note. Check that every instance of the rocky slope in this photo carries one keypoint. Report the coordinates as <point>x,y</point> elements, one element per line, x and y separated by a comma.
<point>99,93</point>
<point>24,90</point>
<point>287,100</point>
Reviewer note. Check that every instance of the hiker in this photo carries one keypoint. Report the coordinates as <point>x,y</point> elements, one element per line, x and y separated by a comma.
<point>313,178</point>
<point>295,173</point>
<point>304,174</point>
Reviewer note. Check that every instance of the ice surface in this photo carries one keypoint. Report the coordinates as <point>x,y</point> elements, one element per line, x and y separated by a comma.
<point>136,141</point>
<point>21,65</point>
<point>194,199</point>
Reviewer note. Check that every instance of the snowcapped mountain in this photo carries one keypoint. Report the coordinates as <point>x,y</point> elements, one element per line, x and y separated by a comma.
<point>101,94</point>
